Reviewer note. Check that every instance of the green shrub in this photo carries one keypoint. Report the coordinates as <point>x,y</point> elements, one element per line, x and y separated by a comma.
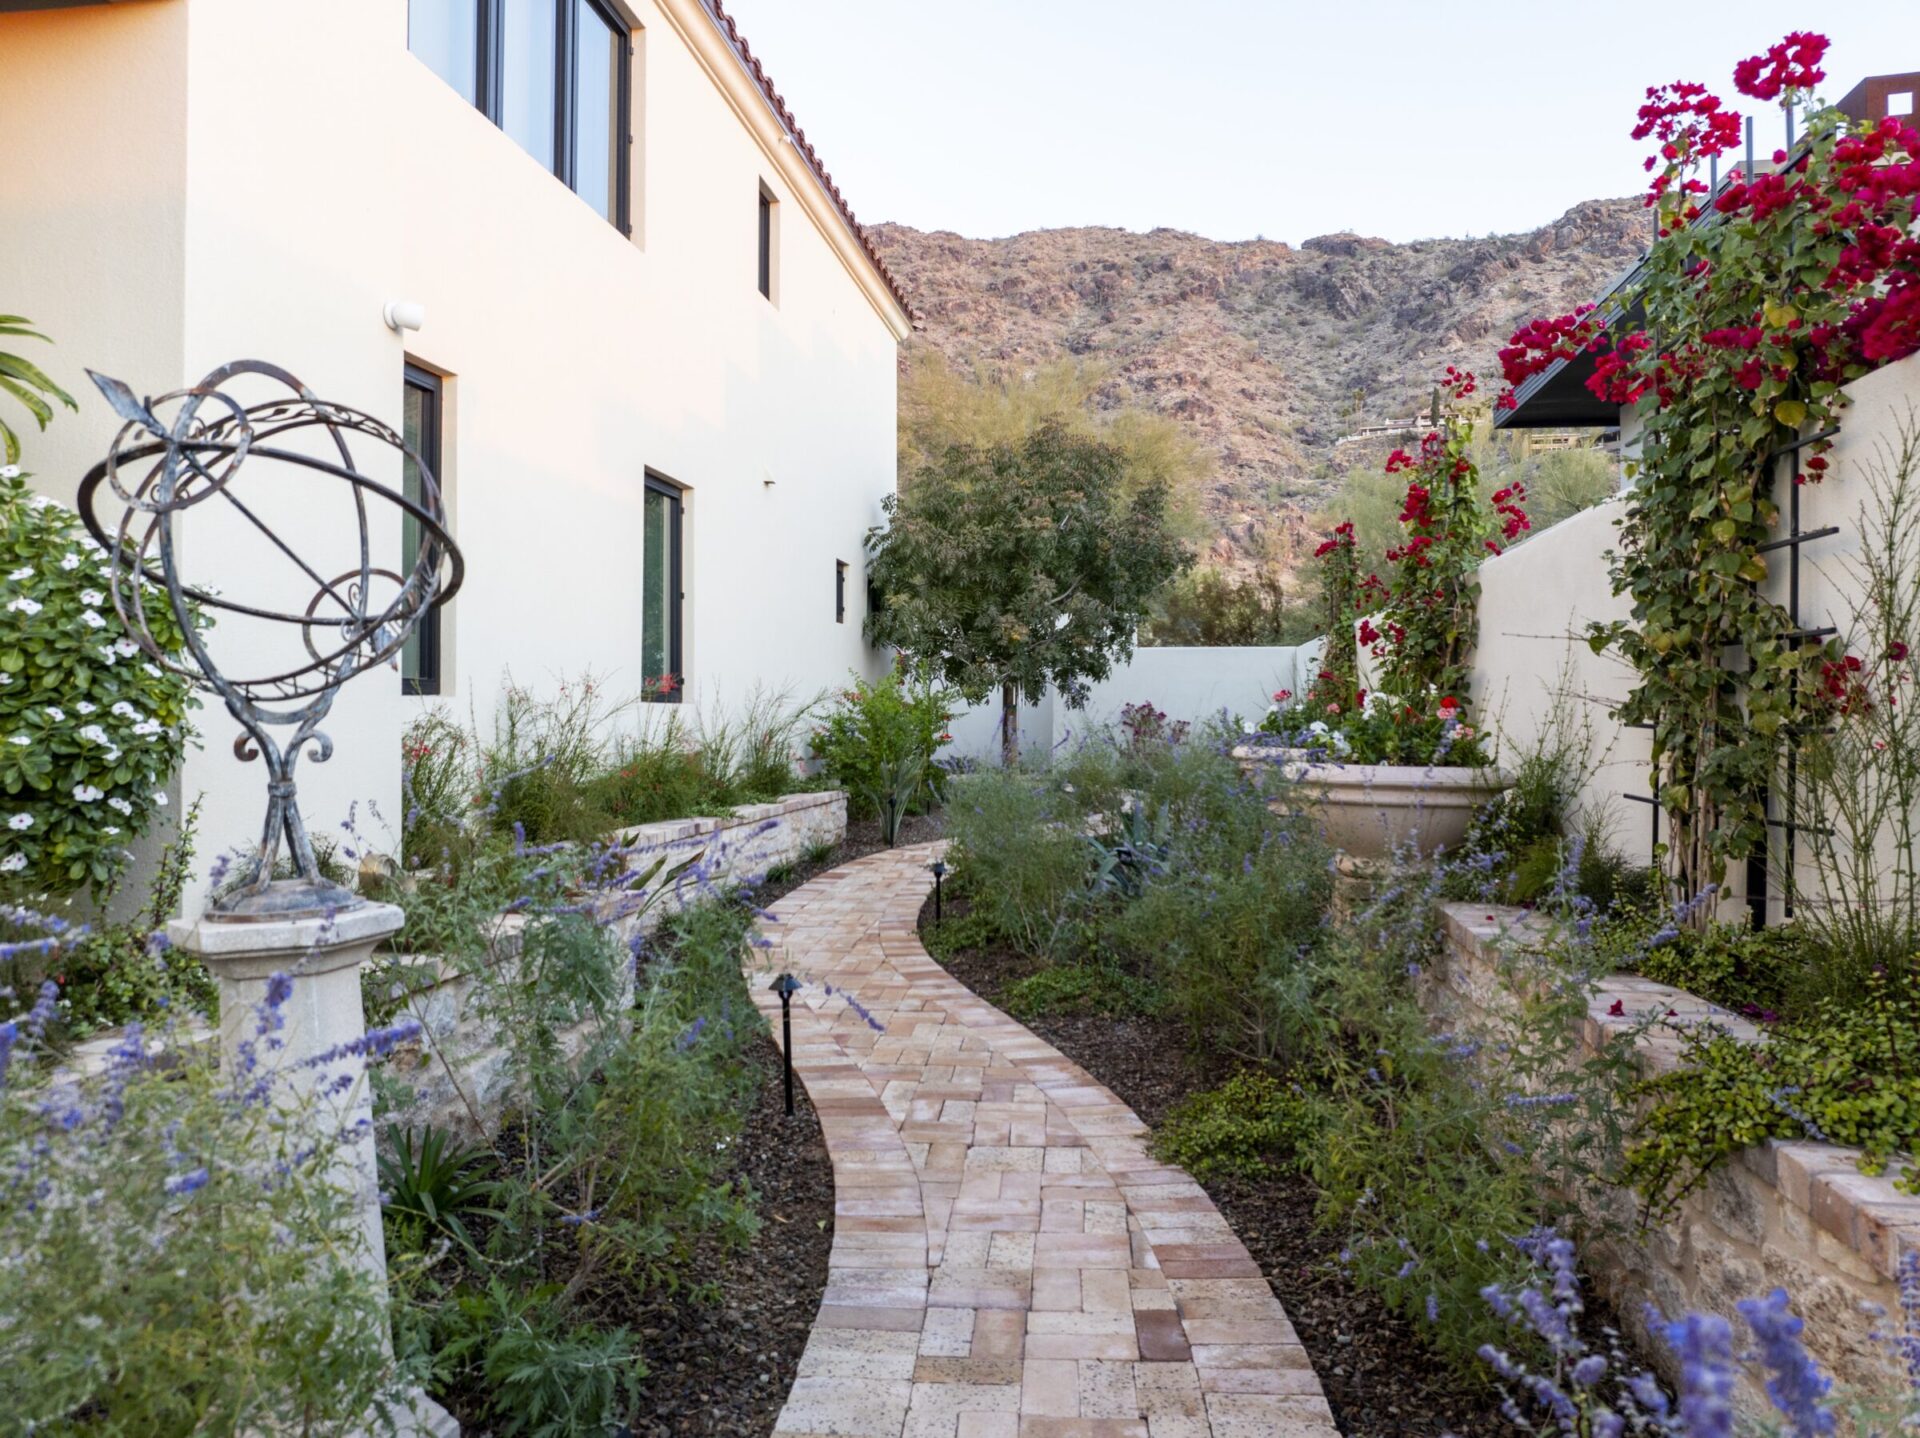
<point>125,970</point>
<point>1081,989</point>
<point>880,743</point>
<point>1744,968</point>
<point>613,1170</point>
<point>1019,843</point>
<point>90,727</point>
<point>1240,1129</point>
<point>438,782</point>
<point>1432,1148</point>
<point>544,1375</point>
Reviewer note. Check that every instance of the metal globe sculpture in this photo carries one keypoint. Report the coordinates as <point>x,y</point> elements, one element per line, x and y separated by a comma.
<point>202,446</point>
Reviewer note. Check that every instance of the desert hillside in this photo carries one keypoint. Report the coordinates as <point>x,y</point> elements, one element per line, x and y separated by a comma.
<point>1267,351</point>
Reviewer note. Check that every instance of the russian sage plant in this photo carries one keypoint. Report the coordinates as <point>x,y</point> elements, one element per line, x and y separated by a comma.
<point>178,1255</point>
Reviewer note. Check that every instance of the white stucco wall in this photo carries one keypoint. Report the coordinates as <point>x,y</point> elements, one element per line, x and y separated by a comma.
<point>1188,683</point>
<point>268,207</point>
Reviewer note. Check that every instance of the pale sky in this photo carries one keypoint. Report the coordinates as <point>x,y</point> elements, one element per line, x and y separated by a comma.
<point>1236,118</point>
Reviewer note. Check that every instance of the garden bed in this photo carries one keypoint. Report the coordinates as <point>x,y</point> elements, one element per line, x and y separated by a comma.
<point>723,1368</point>
<point>1377,1375</point>
<point>1797,1215</point>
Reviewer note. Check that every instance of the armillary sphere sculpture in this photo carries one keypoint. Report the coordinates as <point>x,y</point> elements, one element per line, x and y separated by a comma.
<point>190,448</point>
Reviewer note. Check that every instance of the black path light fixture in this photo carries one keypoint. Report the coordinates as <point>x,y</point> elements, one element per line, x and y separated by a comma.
<point>787,986</point>
<point>189,448</point>
<point>939,867</point>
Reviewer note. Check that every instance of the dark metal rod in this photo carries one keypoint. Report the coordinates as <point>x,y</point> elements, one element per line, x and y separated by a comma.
<point>786,1046</point>
<point>1804,536</point>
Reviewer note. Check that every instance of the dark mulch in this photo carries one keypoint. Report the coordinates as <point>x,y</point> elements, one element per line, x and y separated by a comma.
<point>1380,1379</point>
<point>725,1368</point>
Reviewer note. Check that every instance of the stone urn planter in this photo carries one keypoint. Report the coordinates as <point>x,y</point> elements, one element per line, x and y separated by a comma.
<point>1372,811</point>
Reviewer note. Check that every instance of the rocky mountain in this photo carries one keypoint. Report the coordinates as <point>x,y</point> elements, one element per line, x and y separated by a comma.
<point>1267,352</point>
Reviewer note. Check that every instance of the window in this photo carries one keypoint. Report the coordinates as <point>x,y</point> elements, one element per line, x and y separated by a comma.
<point>553,74</point>
<point>767,235</point>
<point>446,35</point>
<point>839,591</point>
<point>661,597</point>
<point>420,427</point>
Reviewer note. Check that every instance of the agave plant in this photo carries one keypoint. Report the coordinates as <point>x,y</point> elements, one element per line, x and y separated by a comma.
<point>26,383</point>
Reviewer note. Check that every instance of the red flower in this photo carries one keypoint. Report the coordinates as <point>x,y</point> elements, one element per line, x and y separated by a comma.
<point>1793,64</point>
<point>1897,651</point>
<point>1618,1010</point>
<point>1368,634</point>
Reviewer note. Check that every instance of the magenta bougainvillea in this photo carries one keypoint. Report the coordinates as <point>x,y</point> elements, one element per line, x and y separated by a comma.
<point>1762,297</point>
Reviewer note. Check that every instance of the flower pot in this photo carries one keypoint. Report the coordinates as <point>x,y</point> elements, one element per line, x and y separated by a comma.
<point>1372,811</point>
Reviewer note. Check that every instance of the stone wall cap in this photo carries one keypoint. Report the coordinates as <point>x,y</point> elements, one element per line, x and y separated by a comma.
<point>211,937</point>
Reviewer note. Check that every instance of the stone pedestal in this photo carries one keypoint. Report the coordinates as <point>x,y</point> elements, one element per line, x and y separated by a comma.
<point>321,1014</point>
<point>323,957</point>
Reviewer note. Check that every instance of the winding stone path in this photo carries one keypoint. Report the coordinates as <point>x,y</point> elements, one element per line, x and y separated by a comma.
<point>1008,1261</point>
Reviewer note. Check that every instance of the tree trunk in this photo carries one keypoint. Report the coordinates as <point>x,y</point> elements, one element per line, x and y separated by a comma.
<point>1009,725</point>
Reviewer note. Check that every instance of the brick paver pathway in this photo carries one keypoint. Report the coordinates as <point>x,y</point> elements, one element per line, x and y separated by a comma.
<point>1007,1260</point>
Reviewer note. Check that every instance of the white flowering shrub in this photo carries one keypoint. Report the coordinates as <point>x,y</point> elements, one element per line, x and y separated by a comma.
<point>90,728</point>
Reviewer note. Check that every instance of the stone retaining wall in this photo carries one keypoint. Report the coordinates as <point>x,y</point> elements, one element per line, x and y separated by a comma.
<point>1799,1216</point>
<point>458,1069</point>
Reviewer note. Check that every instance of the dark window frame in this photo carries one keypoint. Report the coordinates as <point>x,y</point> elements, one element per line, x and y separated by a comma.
<point>767,202</point>
<point>839,591</point>
<point>676,496</point>
<point>430,649</point>
<point>563,164</point>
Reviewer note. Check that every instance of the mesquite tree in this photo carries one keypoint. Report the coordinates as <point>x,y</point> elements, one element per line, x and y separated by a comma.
<point>1021,565</point>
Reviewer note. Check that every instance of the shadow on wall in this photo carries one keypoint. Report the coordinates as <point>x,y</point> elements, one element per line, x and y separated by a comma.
<point>1189,683</point>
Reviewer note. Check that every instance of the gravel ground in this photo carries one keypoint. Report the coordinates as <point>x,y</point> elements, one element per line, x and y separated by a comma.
<point>1379,1378</point>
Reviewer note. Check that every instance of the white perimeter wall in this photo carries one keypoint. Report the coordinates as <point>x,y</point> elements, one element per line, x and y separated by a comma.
<point>1190,683</point>
<point>193,181</point>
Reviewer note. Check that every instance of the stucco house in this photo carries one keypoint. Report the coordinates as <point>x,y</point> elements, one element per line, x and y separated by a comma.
<point>578,249</point>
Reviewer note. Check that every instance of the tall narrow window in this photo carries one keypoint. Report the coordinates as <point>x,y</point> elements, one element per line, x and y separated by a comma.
<point>529,70</point>
<point>599,142</point>
<point>839,591</point>
<point>446,34</point>
<point>554,74</point>
<point>766,243</point>
<point>420,426</point>
<point>661,597</point>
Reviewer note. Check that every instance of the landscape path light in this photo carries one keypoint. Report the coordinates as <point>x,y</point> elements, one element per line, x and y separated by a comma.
<point>787,986</point>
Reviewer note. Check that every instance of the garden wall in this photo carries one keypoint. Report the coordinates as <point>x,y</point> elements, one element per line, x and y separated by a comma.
<point>1799,1216</point>
<point>457,1038</point>
<point>1537,599</point>
<point>1188,682</point>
